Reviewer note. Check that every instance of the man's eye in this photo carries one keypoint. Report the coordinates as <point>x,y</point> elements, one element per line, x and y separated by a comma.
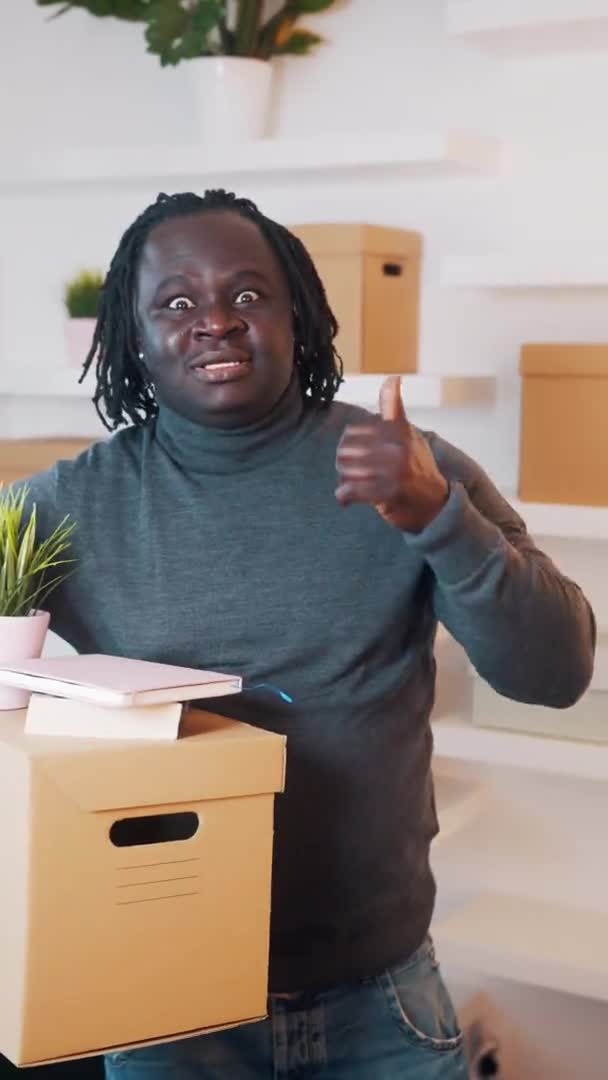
<point>246,296</point>
<point>180,303</point>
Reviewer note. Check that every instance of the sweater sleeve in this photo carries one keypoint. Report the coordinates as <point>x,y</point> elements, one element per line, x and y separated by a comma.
<point>527,629</point>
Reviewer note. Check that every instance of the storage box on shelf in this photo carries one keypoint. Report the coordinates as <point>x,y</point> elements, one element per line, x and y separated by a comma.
<point>564,433</point>
<point>372,278</point>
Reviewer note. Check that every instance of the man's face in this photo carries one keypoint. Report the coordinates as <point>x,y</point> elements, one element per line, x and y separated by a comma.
<point>215,319</point>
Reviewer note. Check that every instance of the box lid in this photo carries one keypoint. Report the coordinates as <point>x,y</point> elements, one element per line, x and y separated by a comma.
<point>356,239</point>
<point>215,758</point>
<point>565,360</point>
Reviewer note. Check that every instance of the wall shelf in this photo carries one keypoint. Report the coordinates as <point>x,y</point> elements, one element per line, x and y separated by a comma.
<point>530,26</point>
<point>460,740</point>
<point>523,272</point>
<point>459,802</point>
<point>568,522</point>
<point>421,391</point>
<point>529,941</point>
<point>434,153</point>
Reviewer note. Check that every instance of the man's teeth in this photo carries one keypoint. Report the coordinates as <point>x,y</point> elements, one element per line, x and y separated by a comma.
<point>222,364</point>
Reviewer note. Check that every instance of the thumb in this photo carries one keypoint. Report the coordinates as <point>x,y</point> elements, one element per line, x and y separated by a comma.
<point>391,402</point>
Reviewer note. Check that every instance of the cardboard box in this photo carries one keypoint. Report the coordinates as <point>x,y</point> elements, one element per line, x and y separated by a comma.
<point>564,434</point>
<point>135,900</point>
<point>24,457</point>
<point>372,278</point>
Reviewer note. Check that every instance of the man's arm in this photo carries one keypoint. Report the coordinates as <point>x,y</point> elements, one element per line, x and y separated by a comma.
<point>527,629</point>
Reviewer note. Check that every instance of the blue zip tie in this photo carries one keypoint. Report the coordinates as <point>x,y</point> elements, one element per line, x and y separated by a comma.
<point>273,689</point>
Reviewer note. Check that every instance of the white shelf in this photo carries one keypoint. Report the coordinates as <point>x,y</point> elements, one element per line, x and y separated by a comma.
<point>569,522</point>
<point>530,26</point>
<point>461,740</point>
<point>421,391</point>
<point>530,942</point>
<point>524,272</point>
<point>459,802</point>
<point>435,152</point>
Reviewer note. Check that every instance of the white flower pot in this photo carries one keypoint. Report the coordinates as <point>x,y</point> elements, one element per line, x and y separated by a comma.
<point>21,638</point>
<point>233,95</point>
<point>79,338</point>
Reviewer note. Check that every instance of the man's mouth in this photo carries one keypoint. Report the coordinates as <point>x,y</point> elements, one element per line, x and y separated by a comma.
<point>221,366</point>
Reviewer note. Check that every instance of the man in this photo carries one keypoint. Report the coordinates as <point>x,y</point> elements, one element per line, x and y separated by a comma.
<point>243,522</point>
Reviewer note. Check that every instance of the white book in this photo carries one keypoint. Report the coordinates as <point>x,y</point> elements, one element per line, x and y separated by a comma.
<point>116,680</point>
<point>80,719</point>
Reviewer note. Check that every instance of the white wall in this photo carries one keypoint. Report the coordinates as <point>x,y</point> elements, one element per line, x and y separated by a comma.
<point>78,82</point>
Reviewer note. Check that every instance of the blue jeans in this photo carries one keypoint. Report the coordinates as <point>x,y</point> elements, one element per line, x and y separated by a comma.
<point>400,1025</point>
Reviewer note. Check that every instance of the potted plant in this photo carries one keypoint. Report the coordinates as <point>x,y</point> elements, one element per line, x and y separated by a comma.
<point>81,300</point>
<point>233,43</point>
<point>29,571</point>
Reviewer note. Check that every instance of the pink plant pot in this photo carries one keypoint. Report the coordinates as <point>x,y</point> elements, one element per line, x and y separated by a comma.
<point>21,638</point>
<point>79,338</point>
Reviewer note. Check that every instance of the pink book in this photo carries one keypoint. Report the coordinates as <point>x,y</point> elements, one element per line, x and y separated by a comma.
<point>117,680</point>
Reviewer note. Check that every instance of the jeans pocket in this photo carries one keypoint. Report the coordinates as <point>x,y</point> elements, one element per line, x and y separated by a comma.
<point>420,1004</point>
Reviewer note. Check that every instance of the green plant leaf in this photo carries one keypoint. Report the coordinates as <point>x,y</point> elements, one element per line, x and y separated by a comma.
<point>247,27</point>
<point>298,43</point>
<point>132,10</point>
<point>29,570</point>
<point>310,7</point>
<point>81,296</point>
<point>174,33</point>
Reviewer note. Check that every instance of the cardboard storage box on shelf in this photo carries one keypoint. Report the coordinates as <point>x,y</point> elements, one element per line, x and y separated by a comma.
<point>564,433</point>
<point>23,457</point>
<point>587,721</point>
<point>372,279</point>
<point>135,900</point>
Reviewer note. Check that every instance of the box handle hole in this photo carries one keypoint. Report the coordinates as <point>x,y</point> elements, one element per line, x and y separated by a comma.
<point>154,829</point>
<point>392,269</point>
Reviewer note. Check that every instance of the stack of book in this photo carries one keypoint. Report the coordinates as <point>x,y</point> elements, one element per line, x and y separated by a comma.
<point>93,695</point>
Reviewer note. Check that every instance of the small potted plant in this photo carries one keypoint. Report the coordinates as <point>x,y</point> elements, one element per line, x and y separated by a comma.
<point>29,571</point>
<point>81,300</point>
<point>232,43</point>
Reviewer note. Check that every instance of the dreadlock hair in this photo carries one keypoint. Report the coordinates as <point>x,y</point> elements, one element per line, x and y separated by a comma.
<point>124,393</point>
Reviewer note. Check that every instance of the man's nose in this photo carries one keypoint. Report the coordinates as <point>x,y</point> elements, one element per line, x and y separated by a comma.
<point>216,321</point>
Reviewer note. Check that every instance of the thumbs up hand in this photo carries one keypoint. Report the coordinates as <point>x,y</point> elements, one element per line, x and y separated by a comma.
<point>389,465</point>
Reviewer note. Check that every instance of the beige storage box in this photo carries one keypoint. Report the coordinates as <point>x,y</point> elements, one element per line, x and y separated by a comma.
<point>135,900</point>
<point>587,721</point>
<point>20,458</point>
<point>372,279</point>
<point>564,424</point>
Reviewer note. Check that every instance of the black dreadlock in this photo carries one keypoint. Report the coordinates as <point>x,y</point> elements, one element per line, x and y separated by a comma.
<point>124,392</point>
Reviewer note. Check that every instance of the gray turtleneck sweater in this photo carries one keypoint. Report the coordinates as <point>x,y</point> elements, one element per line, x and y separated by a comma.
<point>228,550</point>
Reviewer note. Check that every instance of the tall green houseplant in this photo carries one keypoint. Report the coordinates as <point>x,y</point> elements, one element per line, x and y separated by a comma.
<point>179,30</point>
<point>29,570</point>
